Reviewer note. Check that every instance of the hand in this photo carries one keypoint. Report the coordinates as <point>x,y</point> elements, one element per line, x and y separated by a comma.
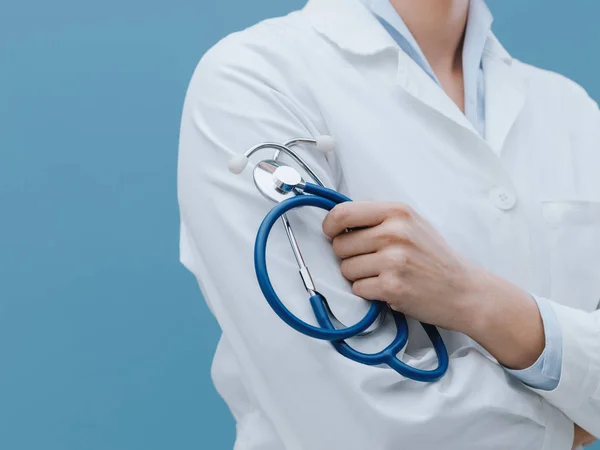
<point>402,260</point>
<point>582,438</point>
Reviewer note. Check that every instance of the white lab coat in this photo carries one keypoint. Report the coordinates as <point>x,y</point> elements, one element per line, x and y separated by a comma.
<point>524,204</point>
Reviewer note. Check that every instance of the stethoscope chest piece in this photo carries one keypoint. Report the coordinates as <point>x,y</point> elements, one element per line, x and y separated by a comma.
<point>276,181</point>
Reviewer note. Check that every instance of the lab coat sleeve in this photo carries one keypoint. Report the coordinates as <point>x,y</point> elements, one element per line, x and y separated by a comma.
<point>578,392</point>
<point>245,92</point>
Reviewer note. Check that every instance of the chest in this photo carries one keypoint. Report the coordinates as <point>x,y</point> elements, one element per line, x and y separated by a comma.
<point>528,210</point>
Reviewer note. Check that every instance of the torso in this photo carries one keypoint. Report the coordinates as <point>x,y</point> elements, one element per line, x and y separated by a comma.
<point>528,209</point>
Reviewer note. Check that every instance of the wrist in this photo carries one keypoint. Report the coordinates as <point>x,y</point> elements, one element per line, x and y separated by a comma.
<point>505,320</point>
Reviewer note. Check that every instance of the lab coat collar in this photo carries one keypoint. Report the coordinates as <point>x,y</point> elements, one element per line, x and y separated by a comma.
<point>505,93</point>
<point>349,25</point>
<point>494,49</point>
<point>353,28</point>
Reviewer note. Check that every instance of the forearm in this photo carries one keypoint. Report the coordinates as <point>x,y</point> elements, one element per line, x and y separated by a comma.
<point>507,323</point>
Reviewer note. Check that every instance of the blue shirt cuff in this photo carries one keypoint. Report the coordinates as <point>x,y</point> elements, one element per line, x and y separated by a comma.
<point>545,373</point>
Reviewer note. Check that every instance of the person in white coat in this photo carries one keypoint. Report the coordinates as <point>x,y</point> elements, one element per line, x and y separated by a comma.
<point>477,202</point>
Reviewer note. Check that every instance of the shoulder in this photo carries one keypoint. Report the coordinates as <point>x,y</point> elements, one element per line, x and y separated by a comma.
<point>568,96</point>
<point>564,104</point>
<point>270,52</point>
<point>262,68</point>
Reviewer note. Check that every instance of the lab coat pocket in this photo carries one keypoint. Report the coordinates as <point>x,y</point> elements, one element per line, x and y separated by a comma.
<point>573,242</point>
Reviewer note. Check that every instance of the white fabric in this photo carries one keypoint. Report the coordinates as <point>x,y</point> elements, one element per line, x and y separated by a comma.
<point>332,69</point>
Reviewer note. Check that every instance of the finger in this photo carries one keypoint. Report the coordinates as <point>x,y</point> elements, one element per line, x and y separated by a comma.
<point>363,266</point>
<point>357,242</point>
<point>367,288</point>
<point>353,215</point>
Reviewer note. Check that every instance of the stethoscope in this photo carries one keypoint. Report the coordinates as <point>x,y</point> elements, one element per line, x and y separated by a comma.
<point>285,186</point>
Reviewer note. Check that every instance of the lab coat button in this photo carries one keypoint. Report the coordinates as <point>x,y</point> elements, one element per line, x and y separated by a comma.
<point>502,198</point>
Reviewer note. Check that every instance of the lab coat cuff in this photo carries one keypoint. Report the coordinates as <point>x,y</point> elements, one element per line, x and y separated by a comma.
<point>559,429</point>
<point>545,372</point>
<point>580,374</point>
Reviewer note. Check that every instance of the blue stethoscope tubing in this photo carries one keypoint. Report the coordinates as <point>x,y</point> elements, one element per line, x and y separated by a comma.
<point>327,199</point>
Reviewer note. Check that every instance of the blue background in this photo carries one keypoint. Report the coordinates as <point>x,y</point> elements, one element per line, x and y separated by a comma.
<point>105,342</point>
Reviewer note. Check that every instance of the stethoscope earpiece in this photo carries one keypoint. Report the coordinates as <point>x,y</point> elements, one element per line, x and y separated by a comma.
<point>325,143</point>
<point>237,164</point>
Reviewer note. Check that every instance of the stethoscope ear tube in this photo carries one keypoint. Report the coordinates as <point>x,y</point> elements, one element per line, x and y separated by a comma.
<point>321,197</point>
<point>260,266</point>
